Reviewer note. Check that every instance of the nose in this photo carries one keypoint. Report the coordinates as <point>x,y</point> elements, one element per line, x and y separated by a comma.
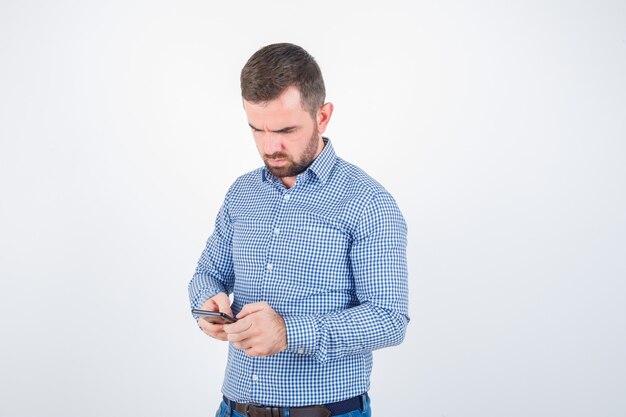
<point>271,143</point>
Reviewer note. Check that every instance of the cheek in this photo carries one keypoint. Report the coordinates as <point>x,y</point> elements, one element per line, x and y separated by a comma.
<point>300,144</point>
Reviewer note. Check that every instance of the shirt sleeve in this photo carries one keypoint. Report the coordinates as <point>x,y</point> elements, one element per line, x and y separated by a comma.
<point>379,268</point>
<point>214,272</point>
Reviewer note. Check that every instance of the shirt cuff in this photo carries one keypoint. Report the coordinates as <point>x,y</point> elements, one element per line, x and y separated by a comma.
<point>301,335</point>
<point>205,295</point>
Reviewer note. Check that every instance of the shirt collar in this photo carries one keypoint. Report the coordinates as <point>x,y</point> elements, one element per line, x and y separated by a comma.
<point>320,168</point>
<point>324,162</point>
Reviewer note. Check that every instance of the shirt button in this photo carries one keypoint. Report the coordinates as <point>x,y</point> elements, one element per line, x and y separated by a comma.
<point>277,231</point>
<point>269,267</point>
<point>286,197</point>
<point>301,351</point>
<point>255,378</point>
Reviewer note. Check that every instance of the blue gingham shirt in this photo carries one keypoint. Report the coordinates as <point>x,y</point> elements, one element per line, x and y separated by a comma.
<point>329,255</point>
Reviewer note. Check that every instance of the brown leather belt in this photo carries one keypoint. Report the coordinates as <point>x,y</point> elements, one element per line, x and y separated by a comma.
<point>251,410</point>
<point>326,410</point>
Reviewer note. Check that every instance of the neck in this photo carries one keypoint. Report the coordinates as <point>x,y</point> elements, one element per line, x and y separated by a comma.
<point>288,182</point>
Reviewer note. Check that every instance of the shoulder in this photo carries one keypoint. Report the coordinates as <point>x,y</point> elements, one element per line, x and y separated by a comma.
<point>361,196</point>
<point>246,183</point>
<point>245,189</point>
<point>251,178</point>
<point>376,213</point>
<point>350,177</point>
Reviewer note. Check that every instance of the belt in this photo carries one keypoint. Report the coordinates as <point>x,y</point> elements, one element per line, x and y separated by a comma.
<point>326,410</point>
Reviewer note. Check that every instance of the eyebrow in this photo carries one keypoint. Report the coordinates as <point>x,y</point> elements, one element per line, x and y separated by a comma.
<point>283,130</point>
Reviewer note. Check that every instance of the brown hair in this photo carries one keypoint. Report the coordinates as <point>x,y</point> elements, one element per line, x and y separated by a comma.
<point>274,68</point>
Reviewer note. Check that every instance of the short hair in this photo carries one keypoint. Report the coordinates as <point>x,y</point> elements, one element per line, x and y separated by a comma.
<point>274,68</point>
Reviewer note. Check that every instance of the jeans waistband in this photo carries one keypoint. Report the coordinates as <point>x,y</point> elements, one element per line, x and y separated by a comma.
<point>334,409</point>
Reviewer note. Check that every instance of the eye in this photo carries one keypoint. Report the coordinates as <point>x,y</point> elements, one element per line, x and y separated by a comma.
<point>287,130</point>
<point>254,129</point>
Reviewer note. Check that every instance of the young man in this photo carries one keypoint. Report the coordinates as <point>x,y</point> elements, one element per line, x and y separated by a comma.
<point>313,250</point>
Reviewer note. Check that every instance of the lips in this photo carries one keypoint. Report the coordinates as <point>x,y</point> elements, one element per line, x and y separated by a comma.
<point>277,162</point>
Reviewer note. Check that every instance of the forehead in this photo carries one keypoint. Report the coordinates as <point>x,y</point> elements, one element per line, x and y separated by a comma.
<point>286,109</point>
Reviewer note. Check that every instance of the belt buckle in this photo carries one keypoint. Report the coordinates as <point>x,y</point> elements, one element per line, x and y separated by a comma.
<point>248,405</point>
<point>261,410</point>
<point>274,411</point>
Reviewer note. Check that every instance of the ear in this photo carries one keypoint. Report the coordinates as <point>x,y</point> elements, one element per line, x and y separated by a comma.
<point>323,116</point>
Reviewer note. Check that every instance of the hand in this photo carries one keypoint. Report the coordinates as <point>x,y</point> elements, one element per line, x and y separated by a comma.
<point>260,330</point>
<point>219,302</point>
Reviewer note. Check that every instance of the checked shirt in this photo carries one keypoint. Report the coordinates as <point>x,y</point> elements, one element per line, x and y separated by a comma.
<point>329,255</point>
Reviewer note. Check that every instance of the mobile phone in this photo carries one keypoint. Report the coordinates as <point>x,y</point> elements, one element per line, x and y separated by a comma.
<point>214,317</point>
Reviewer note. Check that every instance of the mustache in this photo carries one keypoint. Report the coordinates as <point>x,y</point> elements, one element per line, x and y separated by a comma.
<point>276,155</point>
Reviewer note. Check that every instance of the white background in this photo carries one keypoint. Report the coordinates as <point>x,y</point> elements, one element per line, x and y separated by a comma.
<point>499,127</point>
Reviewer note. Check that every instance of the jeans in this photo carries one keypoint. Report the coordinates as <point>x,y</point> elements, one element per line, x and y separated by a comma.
<point>225,411</point>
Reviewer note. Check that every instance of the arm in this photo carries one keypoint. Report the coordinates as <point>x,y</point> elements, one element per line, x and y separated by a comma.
<point>378,259</point>
<point>214,273</point>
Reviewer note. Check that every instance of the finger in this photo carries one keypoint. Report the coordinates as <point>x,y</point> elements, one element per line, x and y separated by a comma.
<point>223,303</point>
<point>245,345</point>
<point>253,352</point>
<point>220,336</point>
<point>204,326</point>
<point>240,326</point>
<point>210,305</point>
<point>238,337</point>
<point>241,345</point>
<point>213,330</point>
<point>251,308</point>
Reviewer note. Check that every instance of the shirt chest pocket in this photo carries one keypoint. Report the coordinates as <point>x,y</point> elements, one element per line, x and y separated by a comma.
<point>316,246</point>
<point>249,247</point>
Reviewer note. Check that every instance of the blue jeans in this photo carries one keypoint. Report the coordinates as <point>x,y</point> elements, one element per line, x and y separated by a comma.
<point>225,411</point>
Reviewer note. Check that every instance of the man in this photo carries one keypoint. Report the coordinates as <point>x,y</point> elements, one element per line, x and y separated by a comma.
<point>313,250</point>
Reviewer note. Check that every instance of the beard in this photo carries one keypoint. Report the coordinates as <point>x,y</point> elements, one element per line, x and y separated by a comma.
<point>293,167</point>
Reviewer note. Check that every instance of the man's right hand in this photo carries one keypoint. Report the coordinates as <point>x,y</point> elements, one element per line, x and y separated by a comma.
<point>219,302</point>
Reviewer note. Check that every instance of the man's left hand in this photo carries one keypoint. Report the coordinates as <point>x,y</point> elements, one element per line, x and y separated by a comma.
<point>260,330</point>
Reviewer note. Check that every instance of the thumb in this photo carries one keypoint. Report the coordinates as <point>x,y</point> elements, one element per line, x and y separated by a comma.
<point>251,308</point>
<point>223,303</point>
<point>210,305</point>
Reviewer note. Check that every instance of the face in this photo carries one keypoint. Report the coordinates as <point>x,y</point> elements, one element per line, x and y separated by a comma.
<point>287,137</point>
